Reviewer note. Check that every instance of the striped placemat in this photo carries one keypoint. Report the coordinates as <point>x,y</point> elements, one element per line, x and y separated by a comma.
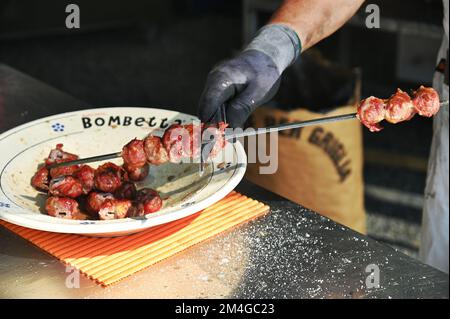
<point>109,260</point>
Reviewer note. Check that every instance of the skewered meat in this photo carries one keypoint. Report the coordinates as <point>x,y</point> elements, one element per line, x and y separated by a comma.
<point>95,200</point>
<point>184,141</point>
<point>61,207</point>
<point>216,132</point>
<point>133,154</point>
<point>426,101</point>
<point>58,155</point>
<point>41,179</point>
<point>154,150</point>
<point>399,108</point>
<point>114,209</point>
<point>150,199</point>
<point>137,174</point>
<point>371,111</point>
<point>108,177</point>
<point>177,142</point>
<point>65,186</point>
<point>126,191</point>
<point>85,174</point>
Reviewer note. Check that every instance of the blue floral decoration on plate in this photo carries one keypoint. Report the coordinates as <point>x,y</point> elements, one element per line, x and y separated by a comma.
<point>58,127</point>
<point>5,205</point>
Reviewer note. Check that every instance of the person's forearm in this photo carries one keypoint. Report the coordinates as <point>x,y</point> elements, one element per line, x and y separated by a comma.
<point>314,20</point>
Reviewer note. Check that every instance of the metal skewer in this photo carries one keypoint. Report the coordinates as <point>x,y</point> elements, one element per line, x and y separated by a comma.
<point>270,129</point>
<point>290,126</point>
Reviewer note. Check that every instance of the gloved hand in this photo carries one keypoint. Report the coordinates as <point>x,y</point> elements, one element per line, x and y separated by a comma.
<point>250,79</point>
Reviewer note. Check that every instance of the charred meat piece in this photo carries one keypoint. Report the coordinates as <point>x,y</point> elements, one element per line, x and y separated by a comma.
<point>108,177</point>
<point>114,209</point>
<point>95,200</point>
<point>177,142</point>
<point>184,141</point>
<point>371,111</point>
<point>399,108</point>
<point>137,174</point>
<point>65,186</point>
<point>58,155</point>
<point>426,101</point>
<point>154,150</point>
<point>136,210</point>
<point>41,179</point>
<point>133,154</point>
<point>85,174</point>
<point>150,199</point>
<point>126,191</point>
<point>61,207</point>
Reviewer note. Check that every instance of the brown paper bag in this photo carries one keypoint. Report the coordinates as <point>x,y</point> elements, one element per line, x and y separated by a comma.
<point>319,167</point>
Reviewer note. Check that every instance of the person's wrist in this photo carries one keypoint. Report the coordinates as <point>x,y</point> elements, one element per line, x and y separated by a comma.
<point>280,42</point>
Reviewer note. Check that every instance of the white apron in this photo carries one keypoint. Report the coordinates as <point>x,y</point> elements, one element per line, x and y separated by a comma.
<point>434,248</point>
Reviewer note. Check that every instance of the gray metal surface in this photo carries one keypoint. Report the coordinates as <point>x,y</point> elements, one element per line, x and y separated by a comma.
<point>290,253</point>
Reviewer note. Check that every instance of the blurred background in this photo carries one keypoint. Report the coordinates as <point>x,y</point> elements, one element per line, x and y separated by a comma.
<point>158,53</point>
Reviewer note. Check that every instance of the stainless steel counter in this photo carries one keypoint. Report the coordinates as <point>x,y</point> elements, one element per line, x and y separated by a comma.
<point>290,253</point>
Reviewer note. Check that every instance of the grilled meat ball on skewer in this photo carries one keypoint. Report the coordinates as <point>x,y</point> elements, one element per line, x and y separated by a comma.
<point>133,154</point>
<point>184,141</point>
<point>426,101</point>
<point>371,112</point>
<point>155,151</point>
<point>177,142</point>
<point>399,108</point>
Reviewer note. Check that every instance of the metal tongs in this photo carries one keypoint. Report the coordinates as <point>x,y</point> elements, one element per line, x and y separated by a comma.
<point>207,145</point>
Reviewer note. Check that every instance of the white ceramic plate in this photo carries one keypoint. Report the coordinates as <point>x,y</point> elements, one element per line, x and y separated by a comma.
<point>100,131</point>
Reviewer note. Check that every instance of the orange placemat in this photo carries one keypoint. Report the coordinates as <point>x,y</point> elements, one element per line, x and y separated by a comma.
<point>109,260</point>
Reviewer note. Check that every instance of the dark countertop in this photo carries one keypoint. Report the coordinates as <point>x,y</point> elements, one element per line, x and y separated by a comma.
<point>290,253</point>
